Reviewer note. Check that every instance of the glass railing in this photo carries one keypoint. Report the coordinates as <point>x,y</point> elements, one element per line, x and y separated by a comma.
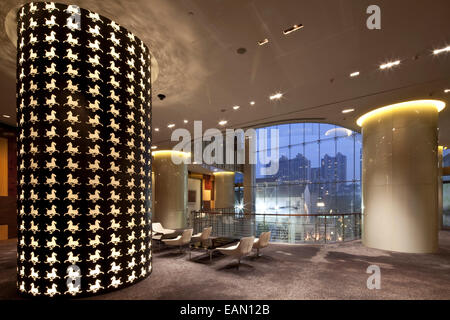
<point>287,228</point>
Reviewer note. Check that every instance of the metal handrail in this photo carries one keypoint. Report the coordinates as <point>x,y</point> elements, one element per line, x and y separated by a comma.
<point>291,228</point>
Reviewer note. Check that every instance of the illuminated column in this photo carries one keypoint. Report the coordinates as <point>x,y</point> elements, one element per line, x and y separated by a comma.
<point>84,115</point>
<point>249,181</point>
<point>440,186</point>
<point>171,176</point>
<point>224,189</point>
<point>400,196</point>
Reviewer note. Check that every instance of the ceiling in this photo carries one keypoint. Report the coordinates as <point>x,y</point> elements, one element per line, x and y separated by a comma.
<point>195,43</point>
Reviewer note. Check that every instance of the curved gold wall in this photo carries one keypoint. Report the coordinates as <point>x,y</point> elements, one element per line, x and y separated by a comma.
<point>224,189</point>
<point>400,196</point>
<point>170,202</point>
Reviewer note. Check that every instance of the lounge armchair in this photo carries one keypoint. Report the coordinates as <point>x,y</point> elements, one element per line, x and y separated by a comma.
<point>182,240</point>
<point>261,242</point>
<point>202,236</point>
<point>157,228</point>
<point>243,248</point>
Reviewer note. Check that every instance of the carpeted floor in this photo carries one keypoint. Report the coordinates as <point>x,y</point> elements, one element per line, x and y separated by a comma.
<point>335,271</point>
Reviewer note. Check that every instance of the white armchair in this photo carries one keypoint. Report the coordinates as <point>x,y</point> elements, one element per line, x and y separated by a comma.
<point>261,242</point>
<point>180,241</point>
<point>243,248</point>
<point>157,228</point>
<point>202,236</point>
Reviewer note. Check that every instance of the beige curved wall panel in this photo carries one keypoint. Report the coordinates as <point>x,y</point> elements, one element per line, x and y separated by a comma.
<point>224,189</point>
<point>170,202</point>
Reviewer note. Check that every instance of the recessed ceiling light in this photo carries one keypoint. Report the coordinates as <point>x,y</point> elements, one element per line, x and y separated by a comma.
<point>446,90</point>
<point>390,64</point>
<point>186,121</point>
<point>295,27</point>
<point>156,129</point>
<point>276,96</point>
<point>252,103</point>
<point>348,110</point>
<point>223,122</point>
<point>170,125</point>
<point>236,107</point>
<point>354,74</point>
<point>263,42</point>
<point>446,49</point>
<point>154,147</point>
<point>6,116</point>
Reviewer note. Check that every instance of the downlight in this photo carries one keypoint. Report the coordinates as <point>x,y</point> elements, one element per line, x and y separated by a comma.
<point>295,27</point>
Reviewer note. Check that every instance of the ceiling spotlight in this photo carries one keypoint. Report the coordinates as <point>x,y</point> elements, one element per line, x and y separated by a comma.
<point>236,107</point>
<point>390,64</point>
<point>446,49</point>
<point>223,122</point>
<point>252,103</point>
<point>276,96</point>
<point>186,121</point>
<point>6,116</point>
<point>446,90</point>
<point>354,74</point>
<point>154,147</point>
<point>170,125</point>
<point>295,27</point>
<point>156,129</point>
<point>263,42</point>
<point>348,110</point>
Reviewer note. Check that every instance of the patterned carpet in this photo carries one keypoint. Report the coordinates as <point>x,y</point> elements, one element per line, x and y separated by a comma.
<point>335,271</point>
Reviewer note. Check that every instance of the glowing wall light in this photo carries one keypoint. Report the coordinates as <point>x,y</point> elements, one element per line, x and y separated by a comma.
<point>84,114</point>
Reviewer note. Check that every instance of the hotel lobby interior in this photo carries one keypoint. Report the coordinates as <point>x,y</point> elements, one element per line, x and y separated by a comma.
<point>225,150</point>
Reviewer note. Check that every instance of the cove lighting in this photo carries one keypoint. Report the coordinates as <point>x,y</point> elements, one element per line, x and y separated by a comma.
<point>172,153</point>
<point>348,110</point>
<point>389,64</point>
<point>223,122</point>
<point>295,27</point>
<point>439,105</point>
<point>446,49</point>
<point>354,74</point>
<point>276,96</point>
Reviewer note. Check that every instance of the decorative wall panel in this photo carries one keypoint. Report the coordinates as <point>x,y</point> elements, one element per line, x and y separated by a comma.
<point>84,117</point>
